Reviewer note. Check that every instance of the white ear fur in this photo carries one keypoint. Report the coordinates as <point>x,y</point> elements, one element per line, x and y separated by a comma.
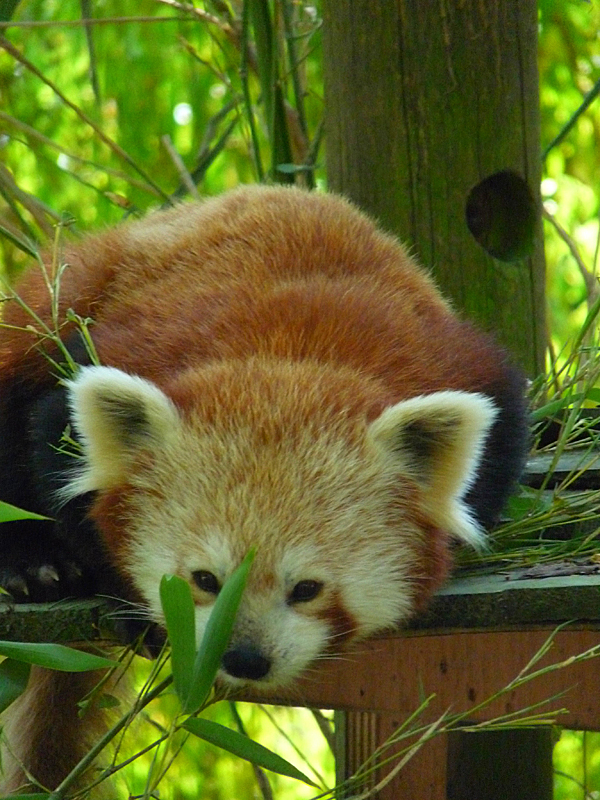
<point>116,415</point>
<point>438,441</point>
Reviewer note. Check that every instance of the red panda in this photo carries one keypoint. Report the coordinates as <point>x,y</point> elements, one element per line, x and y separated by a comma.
<point>276,372</point>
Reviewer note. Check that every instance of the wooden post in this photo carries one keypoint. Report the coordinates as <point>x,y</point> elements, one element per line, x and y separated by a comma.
<point>424,101</point>
<point>426,104</point>
<point>510,765</point>
<point>358,734</point>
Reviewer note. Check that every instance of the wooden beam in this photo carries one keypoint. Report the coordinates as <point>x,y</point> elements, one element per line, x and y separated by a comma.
<point>450,652</point>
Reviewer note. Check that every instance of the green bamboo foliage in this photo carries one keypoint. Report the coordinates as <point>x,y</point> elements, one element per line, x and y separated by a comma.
<point>238,70</point>
<point>87,111</point>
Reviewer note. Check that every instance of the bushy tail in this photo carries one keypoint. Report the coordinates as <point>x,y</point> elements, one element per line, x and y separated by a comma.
<point>44,736</point>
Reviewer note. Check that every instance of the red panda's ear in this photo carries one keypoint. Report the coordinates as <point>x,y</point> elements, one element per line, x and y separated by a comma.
<point>116,415</point>
<point>437,441</point>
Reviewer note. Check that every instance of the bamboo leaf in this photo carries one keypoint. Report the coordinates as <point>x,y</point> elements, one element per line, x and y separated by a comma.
<point>54,656</point>
<point>593,395</point>
<point>209,157</point>
<point>562,403</point>
<point>87,16</point>
<point>217,634</point>
<point>22,243</point>
<point>178,608</point>
<point>10,513</point>
<point>244,66</point>
<point>272,93</point>
<point>243,747</point>
<point>527,502</point>
<point>7,9</point>
<point>13,681</point>
<point>5,44</point>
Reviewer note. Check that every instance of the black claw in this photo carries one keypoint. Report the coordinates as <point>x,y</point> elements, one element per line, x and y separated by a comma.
<point>17,588</point>
<point>47,575</point>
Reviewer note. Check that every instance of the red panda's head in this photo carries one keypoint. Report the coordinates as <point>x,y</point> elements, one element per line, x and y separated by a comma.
<point>350,501</point>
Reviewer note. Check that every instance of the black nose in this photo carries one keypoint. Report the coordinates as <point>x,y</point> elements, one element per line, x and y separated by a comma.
<point>246,662</point>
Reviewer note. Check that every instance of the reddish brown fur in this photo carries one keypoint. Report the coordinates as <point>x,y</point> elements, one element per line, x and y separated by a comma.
<point>342,623</point>
<point>436,563</point>
<point>359,304</point>
<point>48,715</point>
<point>333,291</point>
<point>357,297</point>
<point>111,512</point>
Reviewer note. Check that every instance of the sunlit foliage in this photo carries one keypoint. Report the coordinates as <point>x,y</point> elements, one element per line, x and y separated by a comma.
<point>102,120</point>
<point>569,70</point>
<point>106,118</point>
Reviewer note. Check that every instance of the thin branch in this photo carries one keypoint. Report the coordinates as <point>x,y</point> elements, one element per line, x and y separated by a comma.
<point>232,32</point>
<point>587,101</point>
<point>185,176</point>
<point>16,54</point>
<point>80,23</point>
<point>591,282</point>
<point>35,134</point>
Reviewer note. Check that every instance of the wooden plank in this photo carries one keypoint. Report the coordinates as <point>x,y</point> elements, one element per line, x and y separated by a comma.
<point>358,734</point>
<point>511,599</point>
<point>499,601</point>
<point>67,621</point>
<point>583,462</point>
<point>390,674</point>
<point>424,776</point>
<point>461,669</point>
<point>384,681</point>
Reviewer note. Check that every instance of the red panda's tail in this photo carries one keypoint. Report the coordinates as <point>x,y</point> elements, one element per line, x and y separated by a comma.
<point>45,735</point>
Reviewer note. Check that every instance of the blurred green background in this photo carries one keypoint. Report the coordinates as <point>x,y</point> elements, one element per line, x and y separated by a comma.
<point>100,121</point>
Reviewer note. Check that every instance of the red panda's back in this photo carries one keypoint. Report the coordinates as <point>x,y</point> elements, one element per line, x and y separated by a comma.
<point>269,271</point>
<point>184,265</point>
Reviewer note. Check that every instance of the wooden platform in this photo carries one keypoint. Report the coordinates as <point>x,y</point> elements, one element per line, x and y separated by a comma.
<point>476,638</point>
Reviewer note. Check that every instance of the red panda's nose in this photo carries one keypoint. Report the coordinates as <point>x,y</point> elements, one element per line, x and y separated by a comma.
<point>246,662</point>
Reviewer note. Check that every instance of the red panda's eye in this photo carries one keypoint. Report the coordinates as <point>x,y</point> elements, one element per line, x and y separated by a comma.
<point>304,591</point>
<point>206,581</point>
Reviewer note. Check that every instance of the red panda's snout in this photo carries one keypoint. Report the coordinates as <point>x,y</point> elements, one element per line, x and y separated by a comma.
<point>246,662</point>
<point>272,642</point>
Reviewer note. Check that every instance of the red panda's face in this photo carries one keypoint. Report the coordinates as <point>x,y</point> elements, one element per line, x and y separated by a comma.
<point>339,507</point>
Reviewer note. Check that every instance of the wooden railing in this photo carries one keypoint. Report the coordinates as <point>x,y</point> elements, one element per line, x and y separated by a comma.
<point>475,639</point>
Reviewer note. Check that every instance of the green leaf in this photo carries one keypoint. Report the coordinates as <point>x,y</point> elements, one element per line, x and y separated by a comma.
<point>178,608</point>
<point>563,403</point>
<point>525,503</point>
<point>9,513</point>
<point>593,395</point>
<point>549,410</point>
<point>217,634</point>
<point>240,745</point>
<point>54,656</point>
<point>293,169</point>
<point>108,701</point>
<point>13,681</point>
<point>7,9</point>
<point>19,242</point>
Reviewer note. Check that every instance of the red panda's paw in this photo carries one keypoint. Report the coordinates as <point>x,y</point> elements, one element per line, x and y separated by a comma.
<point>31,572</point>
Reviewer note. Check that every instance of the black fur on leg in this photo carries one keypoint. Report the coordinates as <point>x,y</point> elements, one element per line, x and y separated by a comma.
<point>505,452</point>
